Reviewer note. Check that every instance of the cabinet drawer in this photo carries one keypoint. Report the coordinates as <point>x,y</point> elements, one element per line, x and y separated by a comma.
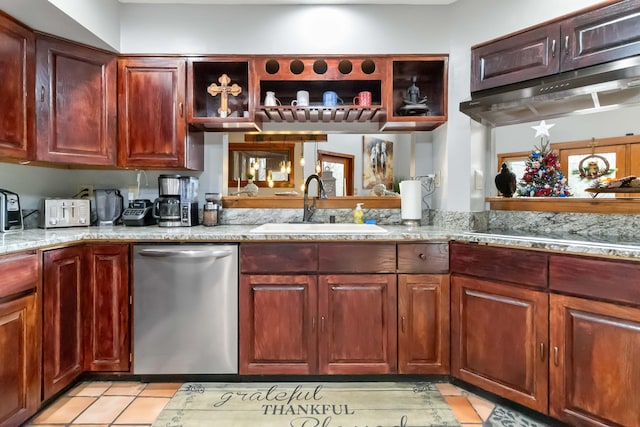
<point>423,258</point>
<point>596,278</point>
<point>19,273</point>
<point>278,257</point>
<point>357,257</point>
<point>510,265</point>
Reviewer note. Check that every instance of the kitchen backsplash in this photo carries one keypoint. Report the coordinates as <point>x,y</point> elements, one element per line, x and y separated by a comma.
<point>624,226</point>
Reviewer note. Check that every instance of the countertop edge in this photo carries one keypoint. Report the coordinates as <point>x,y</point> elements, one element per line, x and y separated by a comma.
<point>35,239</point>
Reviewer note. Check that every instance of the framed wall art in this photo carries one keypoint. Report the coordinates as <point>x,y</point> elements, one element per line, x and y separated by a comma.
<point>377,165</point>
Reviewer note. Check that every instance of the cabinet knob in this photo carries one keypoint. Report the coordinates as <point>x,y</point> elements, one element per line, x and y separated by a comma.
<point>566,45</point>
<point>555,355</point>
<point>41,93</point>
<point>542,351</point>
<point>402,323</point>
<point>553,48</point>
<point>422,257</point>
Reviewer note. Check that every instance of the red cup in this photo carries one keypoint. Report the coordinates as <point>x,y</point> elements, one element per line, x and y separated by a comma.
<point>363,99</point>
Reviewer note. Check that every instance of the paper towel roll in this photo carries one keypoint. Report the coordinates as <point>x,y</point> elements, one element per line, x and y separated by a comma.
<point>411,199</point>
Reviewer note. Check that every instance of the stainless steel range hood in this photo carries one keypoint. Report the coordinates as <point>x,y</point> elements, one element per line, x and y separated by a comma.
<point>597,88</point>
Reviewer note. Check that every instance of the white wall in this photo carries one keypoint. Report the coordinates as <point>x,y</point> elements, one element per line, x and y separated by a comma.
<point>93,22</point>
<point>302,29</point>
<point>101,17</point>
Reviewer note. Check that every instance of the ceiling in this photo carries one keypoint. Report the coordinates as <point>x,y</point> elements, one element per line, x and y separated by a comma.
<point>270,2</point>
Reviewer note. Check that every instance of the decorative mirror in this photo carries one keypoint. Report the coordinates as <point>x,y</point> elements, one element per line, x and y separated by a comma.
<point>266,164</point>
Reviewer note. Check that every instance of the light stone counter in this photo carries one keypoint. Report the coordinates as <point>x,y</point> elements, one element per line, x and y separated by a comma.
<point>36,238</point>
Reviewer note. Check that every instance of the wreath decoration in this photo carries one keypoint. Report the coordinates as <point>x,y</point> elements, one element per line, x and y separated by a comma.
<point>592,170</point>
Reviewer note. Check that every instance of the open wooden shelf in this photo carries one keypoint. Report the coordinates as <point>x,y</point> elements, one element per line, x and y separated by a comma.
<point>342,113</point>
<point>619,190</point>
<point>565,204</point>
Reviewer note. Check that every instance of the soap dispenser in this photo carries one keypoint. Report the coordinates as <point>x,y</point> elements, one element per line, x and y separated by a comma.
<point>358,214</point>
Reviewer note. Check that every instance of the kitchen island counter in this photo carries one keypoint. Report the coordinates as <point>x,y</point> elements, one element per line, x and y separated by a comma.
<point>572,243</point>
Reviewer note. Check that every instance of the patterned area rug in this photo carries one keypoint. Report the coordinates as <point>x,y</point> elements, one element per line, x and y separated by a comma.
<point>504,417</point>
<point>387,404</point>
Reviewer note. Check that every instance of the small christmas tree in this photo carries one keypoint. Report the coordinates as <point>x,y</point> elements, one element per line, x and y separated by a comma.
<point>542,176</point>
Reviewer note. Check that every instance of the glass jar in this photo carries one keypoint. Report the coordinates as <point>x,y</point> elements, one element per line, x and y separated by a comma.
<point>210,214</point>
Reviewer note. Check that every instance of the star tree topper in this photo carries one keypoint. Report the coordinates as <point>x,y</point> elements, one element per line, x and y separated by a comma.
<point>542,129</point>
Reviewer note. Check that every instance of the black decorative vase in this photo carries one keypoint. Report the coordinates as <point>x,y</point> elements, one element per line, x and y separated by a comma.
<point>506,181</point>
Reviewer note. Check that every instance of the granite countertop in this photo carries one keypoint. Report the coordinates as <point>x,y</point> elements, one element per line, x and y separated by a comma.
<point>37,238</point>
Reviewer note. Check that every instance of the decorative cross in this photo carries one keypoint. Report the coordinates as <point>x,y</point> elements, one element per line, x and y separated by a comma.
<point>224,90</point>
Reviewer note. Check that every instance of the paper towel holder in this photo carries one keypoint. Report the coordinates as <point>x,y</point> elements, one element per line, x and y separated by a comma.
<point>411,207</point>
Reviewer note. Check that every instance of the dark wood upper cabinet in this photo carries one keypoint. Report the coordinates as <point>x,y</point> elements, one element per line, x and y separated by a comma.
<point>594,372</point>
<point>416,95</point>
<point>17,65</point>
<point>601,35</point>
<point>593,37</point>
<point>152,126</point>
<point>76,103</point>
<point>106,308</point>
<point>524,56</point>
<point>62,326</point>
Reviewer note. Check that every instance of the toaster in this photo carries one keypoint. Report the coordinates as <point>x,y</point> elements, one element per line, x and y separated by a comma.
<point>10,213</point>
<point>56,213</point>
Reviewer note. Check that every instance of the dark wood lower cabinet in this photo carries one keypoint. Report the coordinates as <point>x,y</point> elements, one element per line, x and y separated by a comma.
<point>499,339</point>
<point>423,330</point>
<point>278,324</point>
<point>86,313</point>
<point>357,323</point>
<point>594,374</point>
<point>106,308</point>
<point>62,348</point>
<point>19,360</point>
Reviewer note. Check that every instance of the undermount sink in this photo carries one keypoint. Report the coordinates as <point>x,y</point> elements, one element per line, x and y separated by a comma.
<point>311,228</point>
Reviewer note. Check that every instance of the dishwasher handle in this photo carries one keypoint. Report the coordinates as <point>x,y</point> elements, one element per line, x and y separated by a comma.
<point>185,253</point>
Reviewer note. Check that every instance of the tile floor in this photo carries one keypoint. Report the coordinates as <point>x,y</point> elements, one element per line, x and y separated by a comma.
<point>129,404</point>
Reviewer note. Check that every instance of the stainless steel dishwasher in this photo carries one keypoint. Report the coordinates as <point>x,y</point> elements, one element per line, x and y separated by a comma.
<point>185,310</point>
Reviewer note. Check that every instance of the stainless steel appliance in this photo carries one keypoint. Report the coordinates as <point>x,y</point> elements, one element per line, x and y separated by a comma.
<point>139,212</point>
<point>10,212</point>
<point>109,206</point>
<point>189,201</point>
<point>177,204</point>
<point>56,213</point>
<point>611,85</point>
<point>185,309</point>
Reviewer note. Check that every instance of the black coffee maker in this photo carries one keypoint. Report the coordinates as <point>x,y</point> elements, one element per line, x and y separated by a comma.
<point>10,212</point>
<point>177,204</point>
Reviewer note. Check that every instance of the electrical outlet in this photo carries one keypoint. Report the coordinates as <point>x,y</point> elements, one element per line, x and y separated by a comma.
<point>436,179</point>
<point>132,192</point>
<point>479,179</point>
<point>85,194</point>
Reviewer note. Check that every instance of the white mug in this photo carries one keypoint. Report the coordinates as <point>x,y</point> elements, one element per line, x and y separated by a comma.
<point>302,99</point>
<point>270,100</point>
